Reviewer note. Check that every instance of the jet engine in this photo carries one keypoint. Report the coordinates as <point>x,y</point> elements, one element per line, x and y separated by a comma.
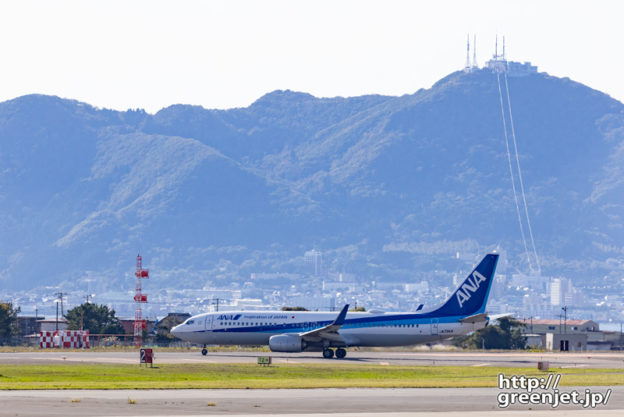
<point>286,343</point>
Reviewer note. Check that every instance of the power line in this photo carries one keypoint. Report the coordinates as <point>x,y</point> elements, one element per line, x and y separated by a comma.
<point>526,210</point>
<point>511,174</point>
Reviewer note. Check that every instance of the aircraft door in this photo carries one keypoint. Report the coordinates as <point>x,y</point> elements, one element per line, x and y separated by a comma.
<point>434,326</point>
<point>209,319</point>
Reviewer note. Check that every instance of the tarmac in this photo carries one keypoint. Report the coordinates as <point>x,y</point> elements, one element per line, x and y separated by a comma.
<point>309,402</point>
<point>504,359</point>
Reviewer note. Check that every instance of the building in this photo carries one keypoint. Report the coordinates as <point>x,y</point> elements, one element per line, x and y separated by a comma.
<point>512,68</point>
<point>541,326</point>
<point>249,304</point>
<point>128,325</point>
<point>517,69</point>
<point>563,334</point>
<point>314,258</point>
<point>51,325</point>
<point>566,341</point>
<point>558,288</point>
<point>29,325</point>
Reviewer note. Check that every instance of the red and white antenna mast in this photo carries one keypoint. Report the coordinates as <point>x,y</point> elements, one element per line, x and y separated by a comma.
<point>139,298</point>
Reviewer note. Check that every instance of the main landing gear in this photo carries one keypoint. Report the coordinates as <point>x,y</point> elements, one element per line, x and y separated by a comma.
<point>329,353</point>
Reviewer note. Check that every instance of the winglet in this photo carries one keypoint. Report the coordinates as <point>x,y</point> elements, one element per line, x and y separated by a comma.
<point>341,317</point>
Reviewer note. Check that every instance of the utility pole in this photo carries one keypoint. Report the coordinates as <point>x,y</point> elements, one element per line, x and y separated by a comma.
<point>60,295</point>
<point>565,319</point>
<point>57,315</point>
<point>88,296</point>
<point>215,302</point>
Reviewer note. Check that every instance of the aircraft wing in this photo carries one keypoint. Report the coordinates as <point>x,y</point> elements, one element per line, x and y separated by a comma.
<point>329,332</point>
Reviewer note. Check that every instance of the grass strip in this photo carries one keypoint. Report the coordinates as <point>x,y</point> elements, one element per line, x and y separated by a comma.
<point>178,376</point>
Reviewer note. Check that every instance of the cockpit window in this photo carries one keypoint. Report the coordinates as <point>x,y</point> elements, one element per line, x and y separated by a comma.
<point>190,322</point>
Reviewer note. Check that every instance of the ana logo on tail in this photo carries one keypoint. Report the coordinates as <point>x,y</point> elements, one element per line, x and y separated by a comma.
<point>471,285</point>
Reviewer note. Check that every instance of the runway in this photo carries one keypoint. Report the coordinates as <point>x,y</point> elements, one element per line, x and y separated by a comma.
<point>309,402</point>
<point>366,402</point>
<point>503,359</point>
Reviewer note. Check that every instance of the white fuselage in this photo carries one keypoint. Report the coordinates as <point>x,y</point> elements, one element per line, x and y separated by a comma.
<point>359,329</point>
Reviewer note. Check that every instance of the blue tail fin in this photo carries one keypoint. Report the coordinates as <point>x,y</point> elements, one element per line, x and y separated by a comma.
<point>472,294</point>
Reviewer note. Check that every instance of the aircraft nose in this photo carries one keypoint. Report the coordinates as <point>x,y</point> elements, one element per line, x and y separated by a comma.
<point>175,330</point>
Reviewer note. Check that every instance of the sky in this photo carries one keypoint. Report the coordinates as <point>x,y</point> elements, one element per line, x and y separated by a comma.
<point>224,54</point>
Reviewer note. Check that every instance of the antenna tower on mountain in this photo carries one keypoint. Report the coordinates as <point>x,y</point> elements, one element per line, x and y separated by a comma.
<point>467,67</point>
<point>474,52</point>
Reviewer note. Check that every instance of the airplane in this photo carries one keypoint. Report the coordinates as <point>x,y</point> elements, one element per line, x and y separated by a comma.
<point>298,331</point>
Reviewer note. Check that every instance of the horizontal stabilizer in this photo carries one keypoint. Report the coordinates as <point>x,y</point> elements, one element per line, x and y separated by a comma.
<point>476,318</point>
<point>494,317</point>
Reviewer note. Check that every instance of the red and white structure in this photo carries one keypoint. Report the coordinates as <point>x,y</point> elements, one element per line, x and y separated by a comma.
<point>139,298</point>
<point>73,339</point>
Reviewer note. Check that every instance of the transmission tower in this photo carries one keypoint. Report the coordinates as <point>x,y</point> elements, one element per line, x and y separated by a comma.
<point>139,298</point>
<point>474,52</point>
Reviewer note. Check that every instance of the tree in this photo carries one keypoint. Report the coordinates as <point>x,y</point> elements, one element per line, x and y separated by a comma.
<point>8,320</point>
<point>294,308</point>
<point>98,319</point>
<point>164,326</point>
<point>506,334</point>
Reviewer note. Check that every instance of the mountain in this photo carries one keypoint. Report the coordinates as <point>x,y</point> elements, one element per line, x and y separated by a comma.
<point>388,188</point>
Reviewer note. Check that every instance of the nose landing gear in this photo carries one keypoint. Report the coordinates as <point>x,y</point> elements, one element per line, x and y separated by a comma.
<point>204,351</point>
